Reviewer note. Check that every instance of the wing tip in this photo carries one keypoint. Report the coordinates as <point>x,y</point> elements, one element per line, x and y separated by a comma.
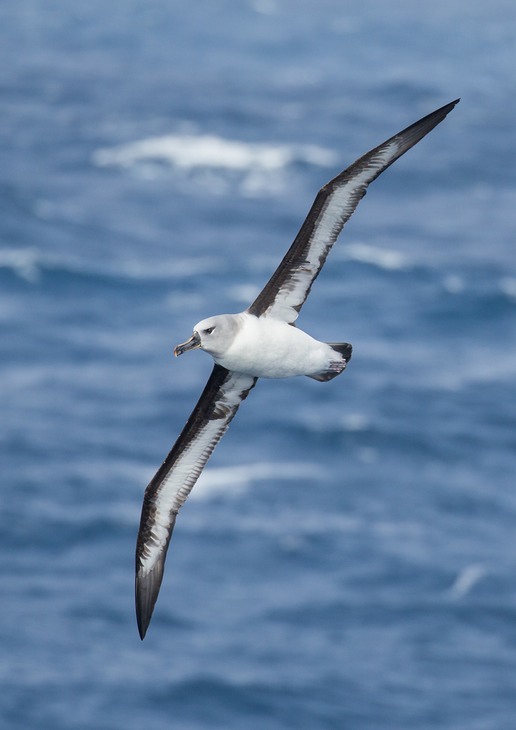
<point>415,132</point>
<point>146,593</point>
<point>446,109</point>
<point>451,104</point>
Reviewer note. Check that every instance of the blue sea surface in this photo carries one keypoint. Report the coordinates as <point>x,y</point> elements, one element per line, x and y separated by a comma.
<point>347,559</point>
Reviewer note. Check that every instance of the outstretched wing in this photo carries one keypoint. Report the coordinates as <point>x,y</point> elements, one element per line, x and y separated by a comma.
<point>286,291</point>
<point>173,481</point>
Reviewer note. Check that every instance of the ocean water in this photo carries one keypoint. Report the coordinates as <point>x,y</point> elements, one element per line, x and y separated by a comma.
<point>347,558</point>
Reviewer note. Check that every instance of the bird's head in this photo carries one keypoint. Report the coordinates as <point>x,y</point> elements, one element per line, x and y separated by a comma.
<point>214,335</point>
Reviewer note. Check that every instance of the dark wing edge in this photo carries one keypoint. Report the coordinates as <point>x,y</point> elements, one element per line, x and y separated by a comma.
<point>172,483</point>
<point>332,208</point>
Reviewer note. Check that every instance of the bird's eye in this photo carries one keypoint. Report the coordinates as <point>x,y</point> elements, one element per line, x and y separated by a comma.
<point>209,330</point>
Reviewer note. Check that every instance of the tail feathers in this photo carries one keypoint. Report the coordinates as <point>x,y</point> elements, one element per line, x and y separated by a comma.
<point>336,366</point>
<point>344,348</point>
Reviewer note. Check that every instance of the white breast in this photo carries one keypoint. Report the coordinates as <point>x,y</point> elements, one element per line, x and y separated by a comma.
<point>269,348</point>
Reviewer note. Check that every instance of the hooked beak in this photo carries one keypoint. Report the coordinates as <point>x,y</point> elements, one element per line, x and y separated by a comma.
<point>191,344</point>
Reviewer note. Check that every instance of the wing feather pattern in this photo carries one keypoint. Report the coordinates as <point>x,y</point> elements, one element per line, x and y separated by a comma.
<point>281,298</point>
<point>173,481</point>
<point>287,289</point>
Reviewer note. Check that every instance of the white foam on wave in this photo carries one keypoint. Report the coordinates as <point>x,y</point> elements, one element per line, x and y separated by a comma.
<point>466,581</point>
<point>380,257</point>
<point>237,479</point>
<point>24,262</point>
<point>508,286</point>
<point>189,151</point>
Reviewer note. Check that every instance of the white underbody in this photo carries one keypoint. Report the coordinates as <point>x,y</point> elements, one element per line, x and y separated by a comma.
<point>269,348</point>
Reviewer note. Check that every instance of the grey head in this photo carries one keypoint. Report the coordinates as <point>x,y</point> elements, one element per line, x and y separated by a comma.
<point>214,335</point>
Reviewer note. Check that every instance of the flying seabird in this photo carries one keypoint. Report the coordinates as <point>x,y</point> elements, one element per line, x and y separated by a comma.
<point>261,342</point>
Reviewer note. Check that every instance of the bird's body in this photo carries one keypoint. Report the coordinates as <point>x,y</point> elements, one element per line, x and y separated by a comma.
<point>265,347</point>
<point>262,342</point>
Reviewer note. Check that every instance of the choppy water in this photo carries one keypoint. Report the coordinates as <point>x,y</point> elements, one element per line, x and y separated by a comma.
<point>347,560</point>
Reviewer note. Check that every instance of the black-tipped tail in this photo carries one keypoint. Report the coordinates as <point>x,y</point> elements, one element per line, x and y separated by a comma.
<point>336,366</point>
<point>344,348</point>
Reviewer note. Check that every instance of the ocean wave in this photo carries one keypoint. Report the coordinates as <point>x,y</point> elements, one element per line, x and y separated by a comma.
<point>237,479</point>
<point>188,151</point>
<point>30,264</point>
<point>507,286</point>
<point>380,257</point>
<point>23,262</point>
<point>466,580</point>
